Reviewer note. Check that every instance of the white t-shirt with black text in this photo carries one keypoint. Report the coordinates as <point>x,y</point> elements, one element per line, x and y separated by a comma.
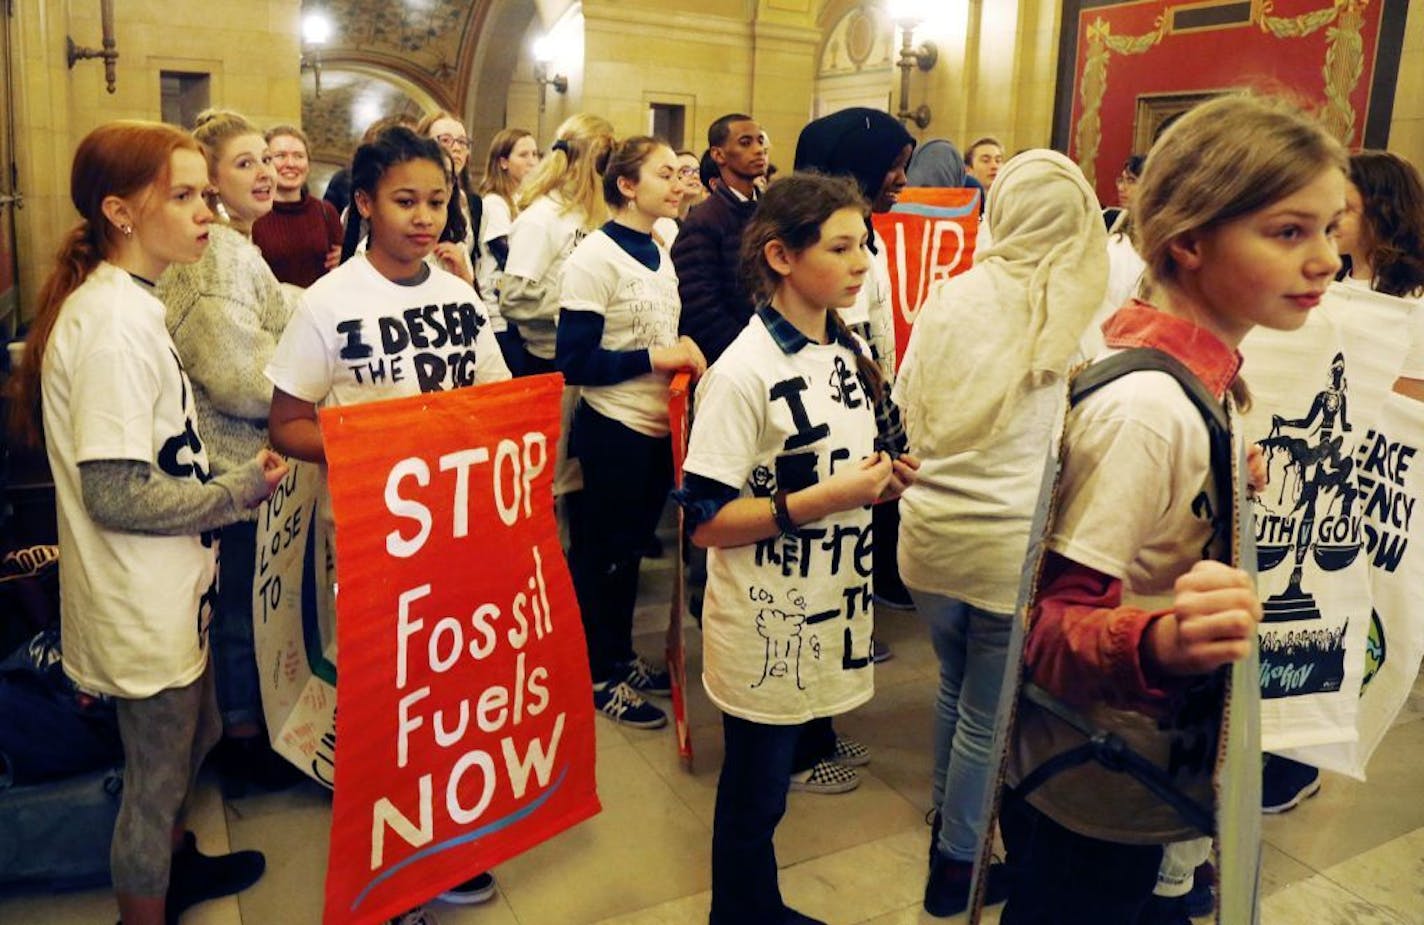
<point>359,337</point>
<point>134,607</point>
<point>786,621</point>
<point>640,309</point>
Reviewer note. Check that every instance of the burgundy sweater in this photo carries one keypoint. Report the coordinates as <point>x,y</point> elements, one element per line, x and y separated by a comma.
<point>295,236</point>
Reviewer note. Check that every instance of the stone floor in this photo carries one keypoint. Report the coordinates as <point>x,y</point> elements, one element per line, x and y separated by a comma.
<point>1354,855</point>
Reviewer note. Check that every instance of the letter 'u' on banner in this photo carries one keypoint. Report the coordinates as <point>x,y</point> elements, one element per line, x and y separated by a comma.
<point>929,236</point>
<point>464,717</point>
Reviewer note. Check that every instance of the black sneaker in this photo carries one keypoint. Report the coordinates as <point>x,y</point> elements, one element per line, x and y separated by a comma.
<point>476,890</point>
<point>1165,910</point>
<point>645,679</point>
<point>949,882</point>
<point>1285,784</point>
<point>196,878</point>
<point>620,703</point>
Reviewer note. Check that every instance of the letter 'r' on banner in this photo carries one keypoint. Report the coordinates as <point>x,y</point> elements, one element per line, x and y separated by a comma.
<point>465,722</point>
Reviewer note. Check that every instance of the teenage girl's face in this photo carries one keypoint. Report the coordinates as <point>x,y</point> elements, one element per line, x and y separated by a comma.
<point>290,160</point>
<point>407,214</point>
<point>245,180</point>
<point>451,135</point>
<point>659,190</point>
<point>1350,233</point>
<point>895,181</point>
<point>171,219</point>
<point>523,158</point>
<point>831,272</point>
<point>1269,267</point>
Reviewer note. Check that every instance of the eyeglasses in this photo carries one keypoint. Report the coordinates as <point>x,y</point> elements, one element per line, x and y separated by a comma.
<point>686,172</point>
<point>454,141</point>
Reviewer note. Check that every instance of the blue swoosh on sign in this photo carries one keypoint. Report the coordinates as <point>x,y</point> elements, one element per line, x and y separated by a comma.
<point>465,839</point>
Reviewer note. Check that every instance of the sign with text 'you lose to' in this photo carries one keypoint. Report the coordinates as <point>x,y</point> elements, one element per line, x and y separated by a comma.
<point>465,721</point>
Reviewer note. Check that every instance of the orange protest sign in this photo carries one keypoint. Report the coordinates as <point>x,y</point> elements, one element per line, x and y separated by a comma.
<point>465,722</point>
<point>678,415</point>
<point>930,235</point>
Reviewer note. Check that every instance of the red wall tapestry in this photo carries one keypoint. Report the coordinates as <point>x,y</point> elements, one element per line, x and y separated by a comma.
<point>1339,57</point>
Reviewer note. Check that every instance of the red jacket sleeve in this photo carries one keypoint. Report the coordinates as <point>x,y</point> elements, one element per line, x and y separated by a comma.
<point>1084,647</point>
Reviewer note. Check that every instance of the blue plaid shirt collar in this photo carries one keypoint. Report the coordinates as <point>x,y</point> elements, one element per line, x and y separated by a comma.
<point>786,335</point>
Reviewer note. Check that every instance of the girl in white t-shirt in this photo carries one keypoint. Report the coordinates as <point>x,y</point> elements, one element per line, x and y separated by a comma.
<point>513,155</point>
<point>385,324</point>
<point>559,203</point>
<point>137,497</point>
<point>1382,240</point>
<point>618,341</point>
<point>780,475</point>
<point>1134,613</point>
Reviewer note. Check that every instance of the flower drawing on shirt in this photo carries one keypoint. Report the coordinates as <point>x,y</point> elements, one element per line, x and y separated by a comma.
<point>782,632</point>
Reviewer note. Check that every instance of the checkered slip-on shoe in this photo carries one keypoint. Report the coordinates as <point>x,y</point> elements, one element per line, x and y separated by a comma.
<point>825,776</point>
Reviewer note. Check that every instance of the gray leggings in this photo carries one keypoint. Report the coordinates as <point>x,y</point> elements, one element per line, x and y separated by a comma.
<point>166,737</point>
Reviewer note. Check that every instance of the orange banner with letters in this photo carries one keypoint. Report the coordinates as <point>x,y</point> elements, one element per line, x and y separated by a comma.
<point>464,720</point>
<point>930,235</point>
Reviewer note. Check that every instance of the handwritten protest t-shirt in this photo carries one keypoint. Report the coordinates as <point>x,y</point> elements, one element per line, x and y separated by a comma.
<point>640,309</point>
<point>358,337</point>
<point>786,621</point>
<point>540,240</point>
<point>134,607</point>
<point>1135,502</point>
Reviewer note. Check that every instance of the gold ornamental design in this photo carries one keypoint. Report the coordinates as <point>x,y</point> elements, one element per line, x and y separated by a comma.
<point>1102,44</point>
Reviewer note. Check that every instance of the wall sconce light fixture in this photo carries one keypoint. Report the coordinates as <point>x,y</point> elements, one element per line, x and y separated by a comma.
<point>110,51</point>
<point>316,30</point>
<point>544,52</point>
<point>909,15</point>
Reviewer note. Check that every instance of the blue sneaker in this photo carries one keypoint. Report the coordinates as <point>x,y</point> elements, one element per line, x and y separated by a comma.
<point>625,706</point>
<point>645,679</point>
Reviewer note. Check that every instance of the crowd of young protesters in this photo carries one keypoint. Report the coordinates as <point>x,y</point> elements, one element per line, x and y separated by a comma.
<point>189,332</point>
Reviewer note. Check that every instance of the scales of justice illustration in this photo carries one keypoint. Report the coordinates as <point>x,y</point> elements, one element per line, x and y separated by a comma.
<point>1322,478</point>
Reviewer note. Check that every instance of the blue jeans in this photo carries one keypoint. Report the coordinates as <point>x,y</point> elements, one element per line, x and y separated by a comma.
<point>234,651</point>
<point>972,646</point>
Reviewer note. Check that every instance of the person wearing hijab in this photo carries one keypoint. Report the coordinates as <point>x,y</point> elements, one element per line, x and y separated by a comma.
<point>981,389</point>
<point>937,163</point>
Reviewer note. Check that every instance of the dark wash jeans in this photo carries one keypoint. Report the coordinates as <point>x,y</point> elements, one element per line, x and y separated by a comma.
<point>626,479</point>
<point>751,799</point>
